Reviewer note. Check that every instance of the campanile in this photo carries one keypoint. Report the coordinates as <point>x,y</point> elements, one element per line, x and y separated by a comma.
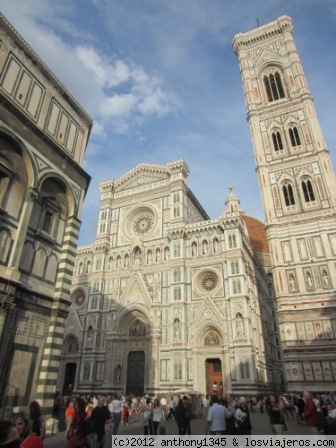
<point>298,190</point>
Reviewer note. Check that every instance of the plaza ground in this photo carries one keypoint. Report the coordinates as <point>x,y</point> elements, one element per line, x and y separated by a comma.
<point>260,423</point>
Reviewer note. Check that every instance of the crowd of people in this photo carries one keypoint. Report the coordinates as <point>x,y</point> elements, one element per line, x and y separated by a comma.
<point>85,418</point>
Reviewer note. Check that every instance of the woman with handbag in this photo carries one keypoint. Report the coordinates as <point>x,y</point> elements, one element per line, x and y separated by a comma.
<point>77,431</point>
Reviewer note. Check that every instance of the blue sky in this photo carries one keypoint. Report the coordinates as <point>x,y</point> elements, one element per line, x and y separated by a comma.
<point>161,81</point>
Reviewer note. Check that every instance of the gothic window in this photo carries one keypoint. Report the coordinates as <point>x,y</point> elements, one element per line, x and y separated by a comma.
<point>234,267</point>
<point>236,286</point>
<point>158,255</point>
<point>277,141</point>
<point>288,194</point>
<point>177,293</point>
<point>178,371</point>
<point>176,212</point>
<point>177,275</point>
<point>308,192</point>
<point>274,87</point>
<point>294,137</point>
<point>80,268</point>
<point>100,371</point>
<point>126,261</point>
<point>166,254</point>
<point>86,371</point>
<point>232,241</point>
<point>118,263</point>
<point>110,263</point>
<point>244,370</point>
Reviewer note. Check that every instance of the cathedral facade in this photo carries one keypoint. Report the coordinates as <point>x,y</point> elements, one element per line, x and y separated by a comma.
<point>43,137</point>
<point>166,298</point>
<point>297,184</point>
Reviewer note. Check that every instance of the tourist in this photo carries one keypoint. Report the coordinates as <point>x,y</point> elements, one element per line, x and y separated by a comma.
<point>180,417</point>
<point>243,418</point>
<point>216,419</point>
<point>147,417</point>
<point>188,414</point>
<point>171,406</point>
<point>157,415</point>
<point>9,437</point>
<point>27,438</point>
<point>310,413</point>
<point>117,403</point>
<point>99,416</point>
<point>38,425</point>
<point>275,415</point>
<point>77,432</point>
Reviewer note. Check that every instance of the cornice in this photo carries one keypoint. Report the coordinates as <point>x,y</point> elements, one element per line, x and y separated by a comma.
<point>262,34</point>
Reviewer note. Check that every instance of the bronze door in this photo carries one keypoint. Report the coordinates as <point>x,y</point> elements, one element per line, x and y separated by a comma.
<point>135,373</point>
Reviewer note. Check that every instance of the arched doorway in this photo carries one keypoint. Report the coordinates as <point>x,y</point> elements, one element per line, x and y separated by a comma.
<point>69,378</point>
<point>214,378</point>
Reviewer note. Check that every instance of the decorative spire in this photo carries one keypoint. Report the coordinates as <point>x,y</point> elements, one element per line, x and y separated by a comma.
<point>232,203</point>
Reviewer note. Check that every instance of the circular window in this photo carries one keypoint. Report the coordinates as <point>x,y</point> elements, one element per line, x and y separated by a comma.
<point>207,281</point>
<point>78,300</point>
<point>143,224</point>
<point>139,222</point>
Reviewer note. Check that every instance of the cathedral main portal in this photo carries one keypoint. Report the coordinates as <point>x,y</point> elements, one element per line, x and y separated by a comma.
<point>135,373</point>
<point>214,380</point>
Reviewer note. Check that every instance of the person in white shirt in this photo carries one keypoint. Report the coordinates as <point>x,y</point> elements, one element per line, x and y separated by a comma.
<point>216,419</point>
<point>117,403</point>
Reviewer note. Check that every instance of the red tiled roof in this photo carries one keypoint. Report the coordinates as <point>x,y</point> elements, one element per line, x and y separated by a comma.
<point>257,233</point>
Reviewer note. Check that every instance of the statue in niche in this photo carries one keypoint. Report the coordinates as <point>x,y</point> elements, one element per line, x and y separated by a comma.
<point>215,246</point>
<point>89,337</point>
<point>176,329</point>
<point>309,281</point>
<point>205,247</point>
<point>292,283</point>
<point>211,339</point>
<point>193,249</point>
<point>325,278</point>
<point>138,329</point>
<point>240,326</point>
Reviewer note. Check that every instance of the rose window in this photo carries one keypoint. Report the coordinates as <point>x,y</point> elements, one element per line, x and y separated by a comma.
<point>209,281</point>
<point>143,224</point>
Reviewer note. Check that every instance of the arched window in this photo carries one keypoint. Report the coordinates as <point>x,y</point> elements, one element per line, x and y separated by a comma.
<point>236,287</point>
<point>294,137</point>
<point>288,195</point>
<point>157,255</point>
<point>273,86</point>
<point>277,141</point>
<point>308,191</point>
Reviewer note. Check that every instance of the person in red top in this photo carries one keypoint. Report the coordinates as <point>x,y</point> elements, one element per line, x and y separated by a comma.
<point>28,439</point>
<point>69,413</point>
<point>77,436</point>
<point>310,413</point>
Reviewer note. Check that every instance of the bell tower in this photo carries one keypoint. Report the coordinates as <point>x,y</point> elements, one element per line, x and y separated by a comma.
<point>298,189</point>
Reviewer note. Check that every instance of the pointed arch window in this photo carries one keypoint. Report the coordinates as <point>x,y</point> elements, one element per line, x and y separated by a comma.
<point>288,195</point>
<point>277,141</point>
<point>294,137</point>
<point>308,192</point>
<point>274,87</point>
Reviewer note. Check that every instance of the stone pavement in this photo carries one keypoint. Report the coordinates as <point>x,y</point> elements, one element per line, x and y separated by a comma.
<point>260,423</point>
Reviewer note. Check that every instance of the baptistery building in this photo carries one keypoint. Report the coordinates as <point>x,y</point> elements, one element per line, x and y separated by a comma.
<point>166,298</point>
